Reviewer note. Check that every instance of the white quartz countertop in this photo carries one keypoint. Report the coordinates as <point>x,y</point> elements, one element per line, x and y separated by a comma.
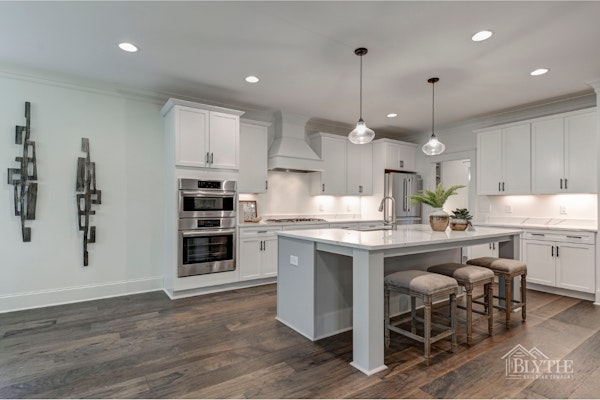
<point>405,236</point>
<point>541,223</point>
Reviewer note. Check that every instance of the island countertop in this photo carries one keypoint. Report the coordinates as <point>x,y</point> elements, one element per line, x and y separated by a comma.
<point>404,236</point>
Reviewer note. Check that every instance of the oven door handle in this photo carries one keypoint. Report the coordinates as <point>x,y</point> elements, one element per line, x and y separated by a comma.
<point>207,232</point>
<point>206,193</point>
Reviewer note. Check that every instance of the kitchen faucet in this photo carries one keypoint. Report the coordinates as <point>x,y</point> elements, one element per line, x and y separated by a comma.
<point>386,220</point>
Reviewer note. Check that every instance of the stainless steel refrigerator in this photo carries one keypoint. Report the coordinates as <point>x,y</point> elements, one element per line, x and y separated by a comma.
<point>399,185</point>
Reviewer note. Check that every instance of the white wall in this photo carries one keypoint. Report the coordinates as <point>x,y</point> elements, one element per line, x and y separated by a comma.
<point>289,194</point>
<point>126,144</point>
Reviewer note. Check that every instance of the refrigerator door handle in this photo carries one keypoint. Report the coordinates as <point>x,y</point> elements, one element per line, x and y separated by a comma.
<point>409,192</point>
<point>405,192</point>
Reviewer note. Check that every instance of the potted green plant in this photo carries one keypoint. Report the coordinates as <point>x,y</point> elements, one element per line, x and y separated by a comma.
<point>438,219</point>
<point>459,220</point>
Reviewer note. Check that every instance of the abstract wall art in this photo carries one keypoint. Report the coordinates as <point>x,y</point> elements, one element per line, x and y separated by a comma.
<point>87,195</point>
<point>23,177</point>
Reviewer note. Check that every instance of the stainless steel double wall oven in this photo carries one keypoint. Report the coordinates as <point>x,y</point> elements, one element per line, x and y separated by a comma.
<point>207,226</point>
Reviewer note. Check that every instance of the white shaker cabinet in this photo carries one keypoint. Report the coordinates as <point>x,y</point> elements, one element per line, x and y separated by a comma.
<point>359,169</point>
<point>397,156</point>
<point>253,157</point>
<point>503,161</point>
<point>258,253</point>
<point>205,136</point>
<point>561,259</point>
<point>332,150</point>
<point>564,154</point>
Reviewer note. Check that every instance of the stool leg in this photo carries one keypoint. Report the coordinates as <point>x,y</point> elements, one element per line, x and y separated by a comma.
<point>489,290</point>
<point>469,289</point>
<point>413,314</point>
<point>507,295</point>
<point>427,333</point>
<point>453,320</point>
<point>386,316</point>
<point>524,296</point>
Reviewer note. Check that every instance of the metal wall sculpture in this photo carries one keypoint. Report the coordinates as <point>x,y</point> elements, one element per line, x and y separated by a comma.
<point>25,190</point>
<point>87,195</point>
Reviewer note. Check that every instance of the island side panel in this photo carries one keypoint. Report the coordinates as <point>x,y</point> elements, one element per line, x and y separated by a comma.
<point>333,294</point>
<point>295,285</point>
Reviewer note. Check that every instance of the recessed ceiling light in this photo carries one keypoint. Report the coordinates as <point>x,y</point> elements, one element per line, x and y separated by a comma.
<point>481,35</point>
<point>539,71</point>
<point>252,79</point>
<point>392,115</point>
<point>129,47</point>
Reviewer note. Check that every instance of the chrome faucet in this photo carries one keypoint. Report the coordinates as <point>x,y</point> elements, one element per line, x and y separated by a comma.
<point>386,218</point>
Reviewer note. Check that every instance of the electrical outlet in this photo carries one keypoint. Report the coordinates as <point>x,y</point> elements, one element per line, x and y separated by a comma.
<point>508,208</point>
<point>294,260</point>
<point>563,209</point>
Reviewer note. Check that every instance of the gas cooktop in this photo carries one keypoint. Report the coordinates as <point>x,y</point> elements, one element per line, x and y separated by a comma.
<point>287,220</point>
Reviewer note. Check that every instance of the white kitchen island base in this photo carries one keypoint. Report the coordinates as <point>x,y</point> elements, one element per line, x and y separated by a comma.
<point>317,268</point>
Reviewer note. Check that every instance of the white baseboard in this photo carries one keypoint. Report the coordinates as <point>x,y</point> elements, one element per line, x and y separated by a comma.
<point>219,288</point>
<point>561,291</point>
<point>52,297</point>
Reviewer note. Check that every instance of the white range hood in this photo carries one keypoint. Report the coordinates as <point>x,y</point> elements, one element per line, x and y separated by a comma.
<point>290,150</point>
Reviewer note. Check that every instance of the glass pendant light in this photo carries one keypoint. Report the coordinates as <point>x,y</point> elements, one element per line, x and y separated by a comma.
<point>361,134</point>
<point>433,146</point>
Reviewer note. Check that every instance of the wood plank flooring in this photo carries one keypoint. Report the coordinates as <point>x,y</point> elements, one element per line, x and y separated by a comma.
<point>229,345</point>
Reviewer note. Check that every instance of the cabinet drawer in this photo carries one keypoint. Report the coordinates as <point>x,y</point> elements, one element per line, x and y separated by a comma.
<point>258,231</point>
<point>560,236</point>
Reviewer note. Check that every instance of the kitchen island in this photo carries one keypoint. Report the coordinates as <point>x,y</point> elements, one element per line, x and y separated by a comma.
<point>331,280</point>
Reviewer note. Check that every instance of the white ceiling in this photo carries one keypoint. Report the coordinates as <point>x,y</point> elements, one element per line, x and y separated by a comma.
<point>303,53</point>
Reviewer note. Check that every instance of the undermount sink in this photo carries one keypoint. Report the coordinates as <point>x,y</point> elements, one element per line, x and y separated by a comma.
<point>369,229</point>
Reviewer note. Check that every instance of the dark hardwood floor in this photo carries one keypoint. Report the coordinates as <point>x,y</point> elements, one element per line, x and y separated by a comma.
<point>229,345</point>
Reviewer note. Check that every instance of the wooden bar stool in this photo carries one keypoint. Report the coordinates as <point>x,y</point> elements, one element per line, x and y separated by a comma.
<point>507,269</point>
<point>469,277</point>
<point>426,286</point>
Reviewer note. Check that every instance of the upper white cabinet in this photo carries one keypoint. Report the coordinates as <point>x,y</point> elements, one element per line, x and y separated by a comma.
<point>205,136</point>
<point>359,169</point>
<point>503,160</point>
<point>332,150</point>
<point>398,156</point>
<point>253,157</point>
<point>564,154</point>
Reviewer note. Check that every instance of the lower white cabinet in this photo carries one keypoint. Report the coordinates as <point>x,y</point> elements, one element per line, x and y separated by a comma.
<point>560,259</point>
<point>258,253</point>
<point>483,250</point>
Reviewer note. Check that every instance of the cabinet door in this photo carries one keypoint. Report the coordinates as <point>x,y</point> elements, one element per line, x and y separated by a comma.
<point>250,258</point>
<point>547,156</point>
<point>489,162</point>
<point>253,158</point>
<point>516,160</point>
<point>359,169</point>
<point>575,267</point>
<point>581,154</point>
<point>332,180</point>
<point>399,157</point>
<point>269,257</point>
<point>191,138</point>
<point>224,140</point>
<point>540,260</point>
<point>483,250</point>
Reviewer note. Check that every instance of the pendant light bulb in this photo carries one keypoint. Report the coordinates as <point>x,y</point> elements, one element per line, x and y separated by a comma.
<point>361,134</point>
<point>433,147</point>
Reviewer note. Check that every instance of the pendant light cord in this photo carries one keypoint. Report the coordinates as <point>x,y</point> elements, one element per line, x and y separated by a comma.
<point>361,86</point>
<point>432,108</point>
